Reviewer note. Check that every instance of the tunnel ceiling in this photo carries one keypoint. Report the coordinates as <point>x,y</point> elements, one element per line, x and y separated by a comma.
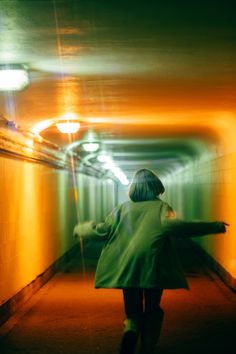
<point>131,70</point>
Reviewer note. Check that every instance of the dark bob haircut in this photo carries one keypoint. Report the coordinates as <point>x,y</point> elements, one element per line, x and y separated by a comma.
<point>145,186</point>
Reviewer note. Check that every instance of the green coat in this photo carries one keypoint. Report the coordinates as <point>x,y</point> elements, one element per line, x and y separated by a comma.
<point>139,249</point>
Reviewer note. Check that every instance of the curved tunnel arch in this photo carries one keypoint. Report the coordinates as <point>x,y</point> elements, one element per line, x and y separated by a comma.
<point>157,95</point>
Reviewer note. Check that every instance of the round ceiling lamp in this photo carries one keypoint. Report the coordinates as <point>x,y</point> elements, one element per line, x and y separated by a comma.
<point>90,141</point>
<point>68,127</point>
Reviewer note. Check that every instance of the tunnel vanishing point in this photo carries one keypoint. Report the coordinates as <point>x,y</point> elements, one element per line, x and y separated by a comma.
<point>91,91</point>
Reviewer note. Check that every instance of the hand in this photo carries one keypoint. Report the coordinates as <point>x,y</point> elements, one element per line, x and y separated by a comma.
<point>75,232</point>
<point>224,224</point>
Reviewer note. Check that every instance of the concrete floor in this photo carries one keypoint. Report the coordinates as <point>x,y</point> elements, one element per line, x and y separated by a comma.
<point>68,316</point>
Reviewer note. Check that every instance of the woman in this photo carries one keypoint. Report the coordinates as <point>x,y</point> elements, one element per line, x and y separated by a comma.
<point>139,256</point>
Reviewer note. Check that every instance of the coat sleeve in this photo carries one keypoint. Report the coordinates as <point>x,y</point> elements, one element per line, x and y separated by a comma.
<point>173,226</point>
<point>91,228</point>
<point>181,228</point>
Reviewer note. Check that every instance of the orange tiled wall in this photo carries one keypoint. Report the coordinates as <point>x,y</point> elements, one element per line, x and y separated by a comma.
<point>38,213</point>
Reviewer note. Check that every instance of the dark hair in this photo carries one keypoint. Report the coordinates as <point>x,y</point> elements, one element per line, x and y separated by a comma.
<point>145,185</point>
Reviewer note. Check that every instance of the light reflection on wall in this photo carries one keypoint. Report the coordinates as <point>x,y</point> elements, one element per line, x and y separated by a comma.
<point>37,218</point>
<point>22,251</point>
<point>95,200</point>
<point>206,190</point>
<point>66,215</point>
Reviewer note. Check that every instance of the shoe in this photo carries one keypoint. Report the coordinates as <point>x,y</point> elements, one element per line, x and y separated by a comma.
<point>128,343</point>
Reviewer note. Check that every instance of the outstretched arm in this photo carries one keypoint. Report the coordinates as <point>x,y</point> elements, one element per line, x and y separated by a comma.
<point>181,228</point>
<point>90,229</point>
<point>101,229</point>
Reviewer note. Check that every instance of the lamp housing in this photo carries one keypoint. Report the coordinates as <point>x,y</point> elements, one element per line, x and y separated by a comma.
<point>13,77</point>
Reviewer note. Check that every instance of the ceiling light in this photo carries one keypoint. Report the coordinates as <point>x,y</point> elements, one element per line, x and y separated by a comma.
<point>90,147</point>
<point>104,158</point>
<point>13,78</point>
<point>120,175</point>
<point>109,165</point>
<point>124,181</point>
<point>68,127</point>
<point>90,142</point>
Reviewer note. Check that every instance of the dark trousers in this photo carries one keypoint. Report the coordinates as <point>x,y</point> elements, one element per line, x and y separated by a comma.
<point>141,301</point>
<point>143,314</point>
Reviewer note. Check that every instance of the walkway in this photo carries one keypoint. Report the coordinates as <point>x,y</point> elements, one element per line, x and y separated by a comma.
<point>68,316</point>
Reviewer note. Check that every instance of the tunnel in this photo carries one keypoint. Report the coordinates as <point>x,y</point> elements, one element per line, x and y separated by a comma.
<point>90,92</point>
